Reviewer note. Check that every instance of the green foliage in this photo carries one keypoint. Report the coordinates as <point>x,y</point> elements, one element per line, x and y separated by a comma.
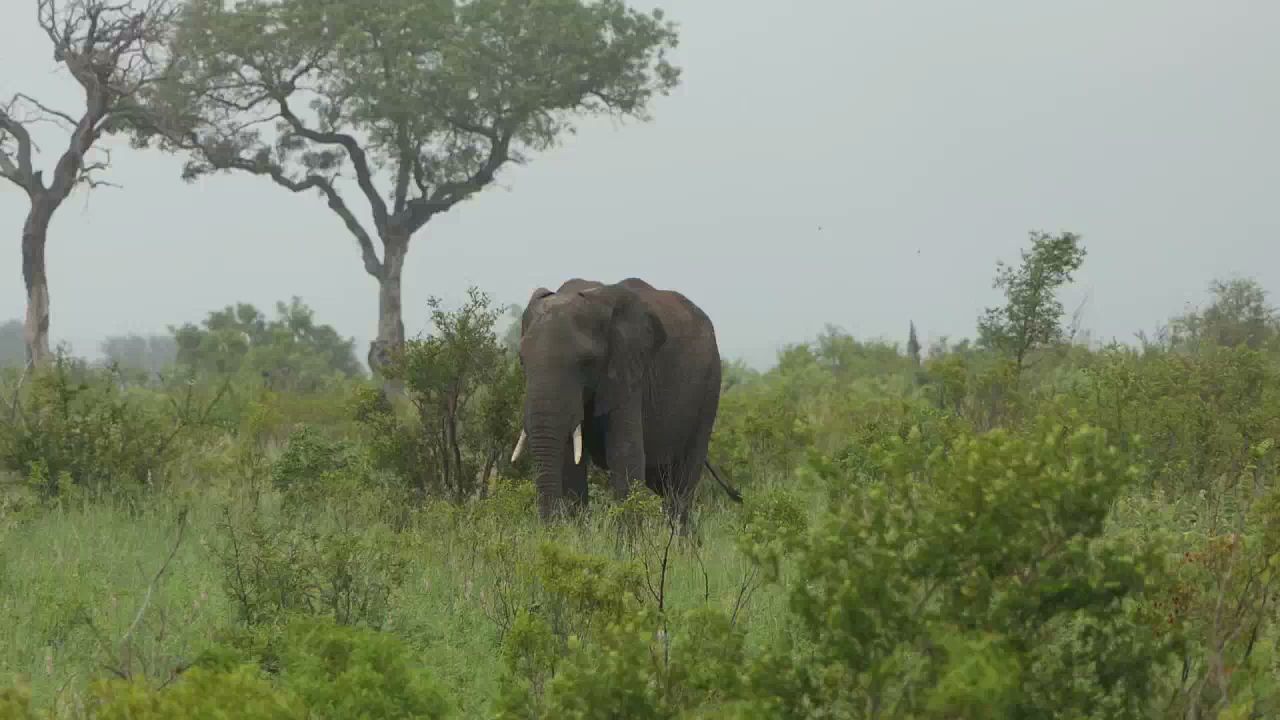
<point>343,672</point>
<point>913,345</point>
<point>467,391</point>
<point>1238,315</point>
<point>1199,415</point>
<point>845,356</point>
<point>773,523</point>
<point>291,352</point>
<point>628,658</point>
<point>734,373</point>
<point>15,703</point>
<point>322,671</point>
<point>340,671</point>
<point>200,694</point>
<point>146,356</point>
<point>13,349</point>
<point>311,465</point>
<point>437,95</point>
<point>334,552</point>
<point>760,432</point>
<point>72,426</point>
<point>1031,316</point>
<point>1005,537</point>
<point>1095,535</point>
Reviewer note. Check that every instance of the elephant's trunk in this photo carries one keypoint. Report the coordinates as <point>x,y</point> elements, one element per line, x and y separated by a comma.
<point>577,445</point>
<point>548,453</point>
<point>552,429</point>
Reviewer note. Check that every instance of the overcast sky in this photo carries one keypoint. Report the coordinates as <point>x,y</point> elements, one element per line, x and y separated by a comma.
<point>824,161</point>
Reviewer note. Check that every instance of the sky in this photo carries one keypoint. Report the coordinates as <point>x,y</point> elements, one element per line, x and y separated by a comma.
<point>862,164</point>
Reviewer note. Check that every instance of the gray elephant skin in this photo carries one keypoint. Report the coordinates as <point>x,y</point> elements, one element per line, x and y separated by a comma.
<point>625,376</point>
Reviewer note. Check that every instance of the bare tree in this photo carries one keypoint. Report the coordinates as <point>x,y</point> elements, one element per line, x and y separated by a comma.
<point>108,47</point>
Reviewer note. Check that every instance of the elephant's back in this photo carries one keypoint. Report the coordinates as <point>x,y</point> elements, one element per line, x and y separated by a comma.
<point>681,317</point>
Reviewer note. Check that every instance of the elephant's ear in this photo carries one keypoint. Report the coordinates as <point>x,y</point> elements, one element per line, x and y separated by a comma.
<point>530,307</point>
<point>635,335</point>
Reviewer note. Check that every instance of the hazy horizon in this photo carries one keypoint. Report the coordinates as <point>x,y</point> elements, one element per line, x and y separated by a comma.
<point>853,163</point>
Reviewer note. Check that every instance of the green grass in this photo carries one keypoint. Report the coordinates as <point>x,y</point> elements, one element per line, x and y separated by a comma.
<point>74,577</point>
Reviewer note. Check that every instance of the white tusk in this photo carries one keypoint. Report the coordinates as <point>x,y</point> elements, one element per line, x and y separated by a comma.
<point>519,446</point>
<point>577,445</point>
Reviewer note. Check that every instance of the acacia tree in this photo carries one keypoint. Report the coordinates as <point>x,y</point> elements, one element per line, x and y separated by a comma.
<point>108,46</point>
<point>422,101</point>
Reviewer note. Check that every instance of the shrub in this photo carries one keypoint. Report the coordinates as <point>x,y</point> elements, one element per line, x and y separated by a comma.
<point>933,594</point>
<point>199,694</point>
<point>466,389</point>
<point>333,554</point>
<point>321,670</point>
<point>292,352</point>
<point>760,433</point>
<point>73,426</point>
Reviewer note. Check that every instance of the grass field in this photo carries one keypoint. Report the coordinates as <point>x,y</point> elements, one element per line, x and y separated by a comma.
<point>80,596</point>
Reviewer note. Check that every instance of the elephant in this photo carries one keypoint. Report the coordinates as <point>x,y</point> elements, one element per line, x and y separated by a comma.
<point>629,377</point>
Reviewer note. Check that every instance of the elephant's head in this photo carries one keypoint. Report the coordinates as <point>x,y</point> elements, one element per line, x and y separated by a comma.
<point>585,350</point>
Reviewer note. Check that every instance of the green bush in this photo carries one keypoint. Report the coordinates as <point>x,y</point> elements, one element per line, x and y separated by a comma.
<point>289,353</point>
<point>761,432</point>
<point>336,671</point>
<point>337,555</point>
<point>998,555</point>
<point>200,694</point>
<point>318,670</point>
<point>466,389</point>
<point>72,426</point>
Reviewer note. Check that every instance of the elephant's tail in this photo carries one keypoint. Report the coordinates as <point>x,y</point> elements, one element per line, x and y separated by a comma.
<point>733,494</point>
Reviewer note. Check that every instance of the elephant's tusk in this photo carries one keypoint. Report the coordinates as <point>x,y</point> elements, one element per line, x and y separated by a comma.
<point>519,446</point>
<point>577,445</point>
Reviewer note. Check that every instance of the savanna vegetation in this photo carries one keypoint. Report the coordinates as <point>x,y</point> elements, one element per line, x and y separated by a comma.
<point>235,519</point>
<point>1018,526</point>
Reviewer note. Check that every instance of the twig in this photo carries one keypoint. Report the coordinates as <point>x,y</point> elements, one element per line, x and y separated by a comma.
<point>706,578</point>
<point>745,592</point>
<point>17,390</point>
<point>146,599</point>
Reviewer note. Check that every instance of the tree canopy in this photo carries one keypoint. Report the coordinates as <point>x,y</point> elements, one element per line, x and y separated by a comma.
<point>1239,314</point>
<point>421,102</point>
<point>240,338</point>
<point>1031,315</point>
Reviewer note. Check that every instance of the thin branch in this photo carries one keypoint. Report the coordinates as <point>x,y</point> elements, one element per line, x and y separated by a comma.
<point>65,117</point>
<point>448,194</point>
<point>151,588</point>
<point>18,169</point>
<point>359,160</point>
<point>372,264</point>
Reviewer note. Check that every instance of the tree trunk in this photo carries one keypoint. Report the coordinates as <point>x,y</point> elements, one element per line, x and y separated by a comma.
<point>390,311</point>
<point>36,329</point>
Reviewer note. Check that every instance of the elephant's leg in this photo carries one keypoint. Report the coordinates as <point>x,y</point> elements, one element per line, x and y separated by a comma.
<point>624,449</point>
<point>687,473</point>
<point>575,479</point>
<point>665,481</point>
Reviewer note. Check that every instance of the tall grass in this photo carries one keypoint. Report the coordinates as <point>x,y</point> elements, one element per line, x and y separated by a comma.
<point>74,580</point>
